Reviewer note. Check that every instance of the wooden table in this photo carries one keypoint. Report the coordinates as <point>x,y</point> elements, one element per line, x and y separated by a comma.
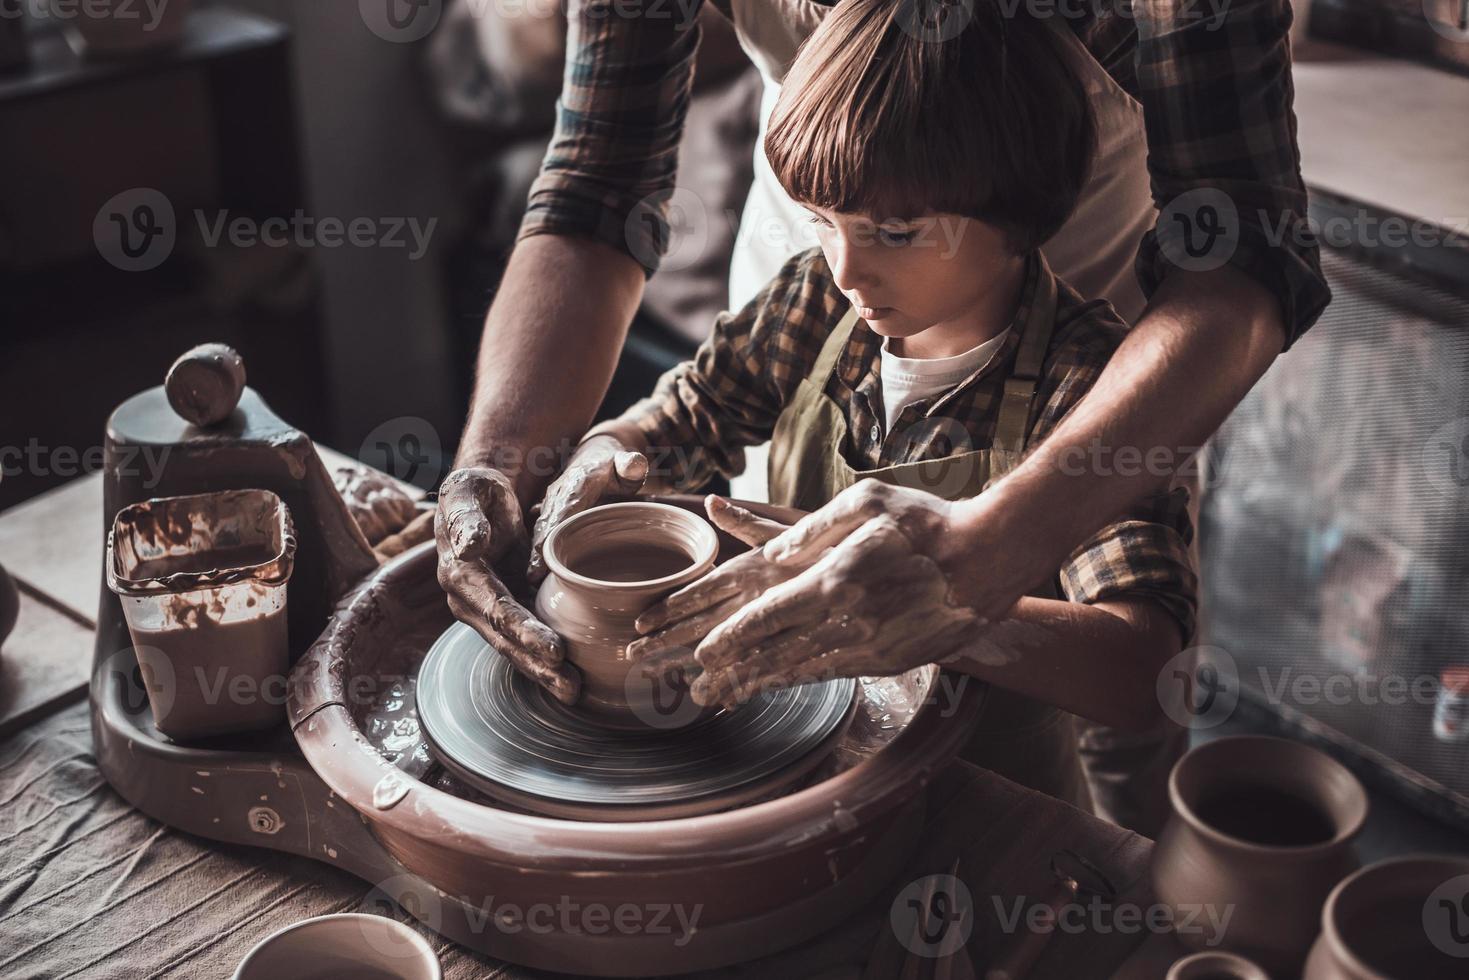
<point>91,887</point>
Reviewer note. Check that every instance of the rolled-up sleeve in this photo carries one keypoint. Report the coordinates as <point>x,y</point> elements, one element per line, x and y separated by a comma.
<point>704,412</point>
<point>1217,97</point>
<point>610,169</point>
<point>1143,555</point>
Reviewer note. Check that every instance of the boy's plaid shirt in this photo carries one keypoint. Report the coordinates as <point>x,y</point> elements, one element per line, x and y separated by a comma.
<point>1215,89</point>
<point>705,411</point>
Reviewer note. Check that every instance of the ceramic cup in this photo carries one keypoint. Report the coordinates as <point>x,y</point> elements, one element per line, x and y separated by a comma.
<point>330,947</point>
<point>606,565</point>
<point>1404,917</point>
<point>1261,831</point>
<point>1215,966</point>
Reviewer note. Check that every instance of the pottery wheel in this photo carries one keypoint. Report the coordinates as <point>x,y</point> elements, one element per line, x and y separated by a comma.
<point>503,735</point>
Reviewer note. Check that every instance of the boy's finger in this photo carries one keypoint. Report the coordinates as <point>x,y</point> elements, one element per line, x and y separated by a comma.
<point>744,524</point>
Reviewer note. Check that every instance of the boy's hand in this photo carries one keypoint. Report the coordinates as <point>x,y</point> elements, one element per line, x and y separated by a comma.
<point>477,525</point>
<point>600,467</point>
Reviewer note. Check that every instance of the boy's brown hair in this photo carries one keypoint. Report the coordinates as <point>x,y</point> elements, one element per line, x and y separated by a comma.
<point>885,115</point>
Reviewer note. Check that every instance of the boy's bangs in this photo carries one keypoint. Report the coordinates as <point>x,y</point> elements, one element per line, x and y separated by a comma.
<point>992,124</point>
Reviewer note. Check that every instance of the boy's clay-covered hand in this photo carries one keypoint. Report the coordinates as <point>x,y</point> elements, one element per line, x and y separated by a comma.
<point>478,525</point>
<point>673,628</point>
<point>600,467</point>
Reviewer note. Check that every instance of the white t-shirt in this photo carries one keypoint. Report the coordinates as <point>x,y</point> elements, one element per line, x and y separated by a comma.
<point>906,380</point>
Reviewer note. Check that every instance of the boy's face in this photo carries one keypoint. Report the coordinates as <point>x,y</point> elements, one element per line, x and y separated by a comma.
<point>906,275</point>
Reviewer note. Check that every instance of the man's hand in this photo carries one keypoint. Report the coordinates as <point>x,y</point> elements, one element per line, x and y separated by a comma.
<point>673,627</point>
<point>858,588</point>
<point>600,467</point>
<point>478,524</point>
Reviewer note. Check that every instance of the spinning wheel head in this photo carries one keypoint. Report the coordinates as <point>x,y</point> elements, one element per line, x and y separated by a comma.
<point>497,731</point>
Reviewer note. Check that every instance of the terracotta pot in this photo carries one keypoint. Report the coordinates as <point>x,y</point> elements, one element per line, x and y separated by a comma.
<point>1405,917</point>
<point>1261,831</point>
<point>607,565</point>
<point>1215,966</point>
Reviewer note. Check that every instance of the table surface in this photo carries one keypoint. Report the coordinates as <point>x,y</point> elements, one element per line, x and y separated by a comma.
<point>91,887</point>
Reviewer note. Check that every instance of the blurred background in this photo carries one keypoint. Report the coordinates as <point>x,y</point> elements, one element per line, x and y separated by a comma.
<point>332,188</point>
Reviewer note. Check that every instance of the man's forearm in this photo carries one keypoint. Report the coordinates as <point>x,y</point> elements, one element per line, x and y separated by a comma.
<point>1203,342</point>
<point>550,344</point>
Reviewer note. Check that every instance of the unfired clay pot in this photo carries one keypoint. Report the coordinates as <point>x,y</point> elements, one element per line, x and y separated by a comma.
<point>607,565</point>
<point>1405,917</point>
<point>1262,828</point>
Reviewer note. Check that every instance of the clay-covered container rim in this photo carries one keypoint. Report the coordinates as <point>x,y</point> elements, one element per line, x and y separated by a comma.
<point>699,532</point>
<point>1354,806</point>
<point>273,517</point>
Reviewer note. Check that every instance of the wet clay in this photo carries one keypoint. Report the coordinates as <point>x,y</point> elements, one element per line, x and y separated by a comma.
<point>632,562</point>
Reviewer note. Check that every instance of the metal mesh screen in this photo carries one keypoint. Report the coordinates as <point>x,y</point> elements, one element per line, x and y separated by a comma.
<point>1334,529</point>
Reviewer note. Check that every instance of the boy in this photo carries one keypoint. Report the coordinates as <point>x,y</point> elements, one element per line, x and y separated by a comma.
<point>926,344</point>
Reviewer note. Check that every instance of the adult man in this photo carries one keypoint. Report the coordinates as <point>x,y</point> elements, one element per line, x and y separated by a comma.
<point>1226,291</point>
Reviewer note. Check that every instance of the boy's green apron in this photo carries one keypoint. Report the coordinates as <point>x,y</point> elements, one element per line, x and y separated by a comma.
<point>1025,740</point>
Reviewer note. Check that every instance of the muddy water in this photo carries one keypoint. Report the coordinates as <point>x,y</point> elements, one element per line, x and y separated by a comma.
<point>631,562</point>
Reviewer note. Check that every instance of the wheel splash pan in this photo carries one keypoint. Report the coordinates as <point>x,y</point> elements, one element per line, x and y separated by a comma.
<point>759,878</point>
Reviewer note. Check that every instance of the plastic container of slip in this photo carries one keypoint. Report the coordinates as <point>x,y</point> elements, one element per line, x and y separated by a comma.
<point>202,580</point>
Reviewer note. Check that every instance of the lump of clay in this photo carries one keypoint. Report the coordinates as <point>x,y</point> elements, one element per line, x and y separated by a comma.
<point>204,385</point>
<point>9,604</point>
<point>378,505</point>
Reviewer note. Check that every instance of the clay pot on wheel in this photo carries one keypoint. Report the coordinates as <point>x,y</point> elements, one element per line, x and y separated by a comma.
<point>607,565</point>
<point>1404,917</point>
<point>1262,828</point>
